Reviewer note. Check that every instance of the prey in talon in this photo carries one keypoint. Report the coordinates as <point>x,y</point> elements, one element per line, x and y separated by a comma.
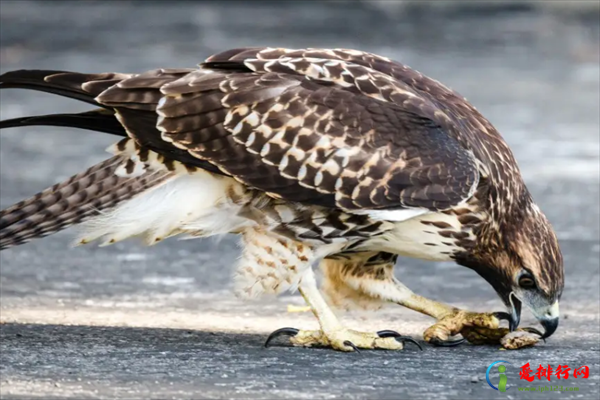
<point>336,159</point>
<point>510,340</point>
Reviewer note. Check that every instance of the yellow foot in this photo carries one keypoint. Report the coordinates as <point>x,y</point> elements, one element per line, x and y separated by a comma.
<point>344,339</point>
<point>467,323</point>
<point>477,328</point>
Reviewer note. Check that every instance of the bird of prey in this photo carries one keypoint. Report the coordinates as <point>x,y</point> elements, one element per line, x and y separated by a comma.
<point>331,157</point>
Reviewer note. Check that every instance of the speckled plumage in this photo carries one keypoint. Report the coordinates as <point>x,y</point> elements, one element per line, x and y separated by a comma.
<point>344,154</point>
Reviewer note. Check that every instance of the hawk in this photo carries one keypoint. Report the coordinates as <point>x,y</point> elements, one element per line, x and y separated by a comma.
<point>331,156</point>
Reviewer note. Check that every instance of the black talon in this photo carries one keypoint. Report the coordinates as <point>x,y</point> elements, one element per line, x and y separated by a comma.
<point>533,330</point>
<point>350,344</point>
<point>403,339</point>
<point>389,333</point>
<point>447,343</point>
<point>501,315</point>
<point>280,332</point>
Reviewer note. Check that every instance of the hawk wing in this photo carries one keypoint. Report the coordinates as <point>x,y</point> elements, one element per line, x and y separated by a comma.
<point>331,128</point>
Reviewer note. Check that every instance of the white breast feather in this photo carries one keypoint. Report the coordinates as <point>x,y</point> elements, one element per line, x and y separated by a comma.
<point>393,215</point>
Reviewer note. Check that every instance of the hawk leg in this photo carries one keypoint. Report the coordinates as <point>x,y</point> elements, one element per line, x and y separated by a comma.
<point>366,279</point>
<point>477,328</point>
<point>333,334</point>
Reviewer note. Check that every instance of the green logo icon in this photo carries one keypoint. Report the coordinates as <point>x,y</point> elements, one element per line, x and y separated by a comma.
<point>502,384</point>
<point>503,379</point>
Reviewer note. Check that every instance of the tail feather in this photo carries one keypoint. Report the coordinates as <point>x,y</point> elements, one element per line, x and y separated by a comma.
<point>91,192</point>
<point>28,207</point>
<point>91,209</point>
<point>74,201</point>
<point>99,120</point>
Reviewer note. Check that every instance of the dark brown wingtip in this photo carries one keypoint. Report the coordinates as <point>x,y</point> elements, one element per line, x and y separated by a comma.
<point>20,77</point>
<point>62,83</point>
<point>100,120</point>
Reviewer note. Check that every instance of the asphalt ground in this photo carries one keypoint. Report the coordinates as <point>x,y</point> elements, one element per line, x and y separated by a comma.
<point>131,322</point>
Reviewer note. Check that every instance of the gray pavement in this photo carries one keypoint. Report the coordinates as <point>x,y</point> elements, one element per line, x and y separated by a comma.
<point>132,322</point>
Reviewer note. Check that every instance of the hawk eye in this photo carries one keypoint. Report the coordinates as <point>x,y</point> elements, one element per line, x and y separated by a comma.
<point>526,282</point>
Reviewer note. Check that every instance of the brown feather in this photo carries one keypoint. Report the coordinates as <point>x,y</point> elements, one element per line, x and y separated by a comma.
<point>71,202</point>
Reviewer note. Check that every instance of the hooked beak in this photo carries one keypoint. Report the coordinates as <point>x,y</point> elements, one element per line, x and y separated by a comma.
<point>549,317</point>
<point>549,320</point>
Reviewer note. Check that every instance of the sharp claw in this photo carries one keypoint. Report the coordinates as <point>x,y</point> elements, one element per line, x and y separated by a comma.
<point>403,339</point>
<point>447,343</point>
<point>389,333</point>
<point>350,344</point>
<point>533,330</point>
<point>501,315</point>
<point>280,332</point>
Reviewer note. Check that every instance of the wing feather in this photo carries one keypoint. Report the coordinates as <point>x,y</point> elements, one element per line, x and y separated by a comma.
<point>330,127</point>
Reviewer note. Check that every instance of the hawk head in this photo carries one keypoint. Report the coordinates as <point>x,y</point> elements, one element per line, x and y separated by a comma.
<point>520,257</point>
